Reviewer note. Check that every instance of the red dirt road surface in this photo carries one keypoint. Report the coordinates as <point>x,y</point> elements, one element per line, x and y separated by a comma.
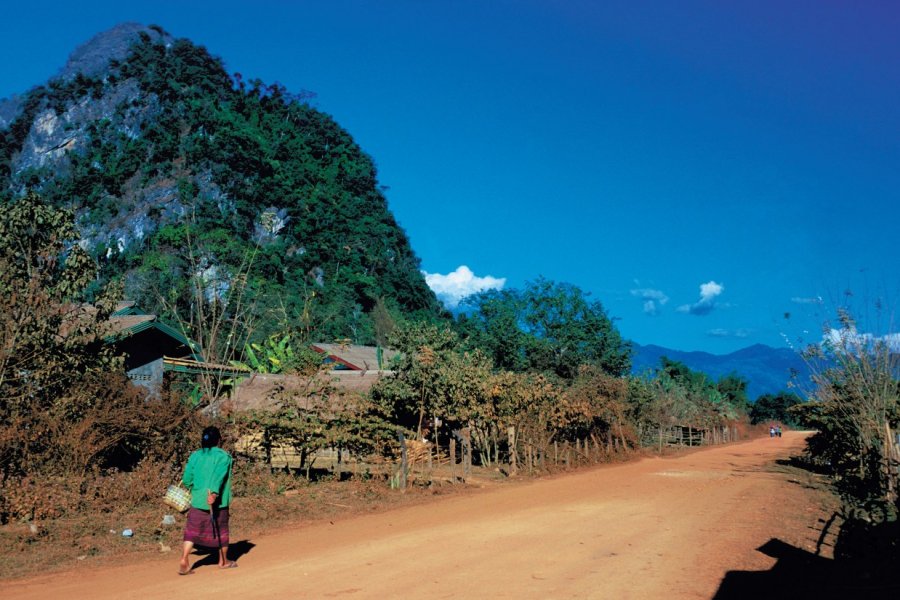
<point>659,527</point>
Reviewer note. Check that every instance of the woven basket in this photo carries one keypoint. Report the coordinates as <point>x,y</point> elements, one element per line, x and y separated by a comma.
<point>178,498</point>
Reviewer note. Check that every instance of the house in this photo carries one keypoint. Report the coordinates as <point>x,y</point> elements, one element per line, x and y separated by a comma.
<point>350,357</point>
<point>151,348</point>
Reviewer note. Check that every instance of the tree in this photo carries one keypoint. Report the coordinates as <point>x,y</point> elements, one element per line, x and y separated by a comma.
<point>775,408</point>
<point>690,397</point>
<point>734,388</point>
<point>548,327</point>
<point>280,354</point>
<point>598,405</point>
<point>417,388</point>
<point>528,402</point>
<point>495,327</point>
<point>317,415</point>
<point>383,322</point>
<point>48,336</point>
<point>567,330</point>
<point>49,340</point>
<point>212,303</point>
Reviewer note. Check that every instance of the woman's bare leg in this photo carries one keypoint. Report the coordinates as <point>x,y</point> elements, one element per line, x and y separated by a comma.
<point>224,563</point>
<point>185,552</point>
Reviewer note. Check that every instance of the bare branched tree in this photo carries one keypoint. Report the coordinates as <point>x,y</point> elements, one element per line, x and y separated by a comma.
<point>218,316</point>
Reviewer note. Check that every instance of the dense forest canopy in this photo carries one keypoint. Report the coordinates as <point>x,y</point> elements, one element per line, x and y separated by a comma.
<point>177,169</point>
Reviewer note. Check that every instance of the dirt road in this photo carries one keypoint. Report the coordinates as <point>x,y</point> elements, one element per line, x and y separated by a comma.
<point>669,527</point>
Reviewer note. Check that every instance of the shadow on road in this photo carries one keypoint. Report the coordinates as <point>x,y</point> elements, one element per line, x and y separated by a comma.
<point>235,551</point>
<point>802,574</point>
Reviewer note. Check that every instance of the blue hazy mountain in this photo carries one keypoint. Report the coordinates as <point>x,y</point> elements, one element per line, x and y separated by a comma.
<point>768,370</point>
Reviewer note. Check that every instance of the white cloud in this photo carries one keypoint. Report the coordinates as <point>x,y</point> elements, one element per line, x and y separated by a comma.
<point>799,300</point>
<point>709,291</point>
<point>852,341</point>
<point>653,299</point>
<point>650,294</point>
<point>728,333</point>
<point>453,287</point>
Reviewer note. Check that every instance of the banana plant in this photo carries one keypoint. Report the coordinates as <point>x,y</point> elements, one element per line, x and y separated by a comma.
<point>275,355</point>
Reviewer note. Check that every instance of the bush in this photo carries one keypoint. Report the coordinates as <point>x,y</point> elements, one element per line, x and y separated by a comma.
<point>856,410</point>
<point>104,442</point>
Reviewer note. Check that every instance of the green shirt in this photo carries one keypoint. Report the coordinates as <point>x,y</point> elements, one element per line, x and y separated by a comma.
<point>208,469</point>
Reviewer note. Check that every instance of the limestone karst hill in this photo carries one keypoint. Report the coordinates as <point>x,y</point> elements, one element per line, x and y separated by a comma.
<point>175,167</point>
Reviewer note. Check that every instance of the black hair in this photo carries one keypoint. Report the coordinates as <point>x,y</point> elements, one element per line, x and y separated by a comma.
<point>210,437</point>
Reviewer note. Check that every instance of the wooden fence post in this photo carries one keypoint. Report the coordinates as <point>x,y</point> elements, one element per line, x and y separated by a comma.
<point>404,464</point>
<point>467,451</point>
<point>511,437</point>
<point>452,457</point>
<point>337,465</point>
<point>529,458</point>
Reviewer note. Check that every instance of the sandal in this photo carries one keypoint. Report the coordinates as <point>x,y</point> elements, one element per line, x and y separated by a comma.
<point>231,564</point>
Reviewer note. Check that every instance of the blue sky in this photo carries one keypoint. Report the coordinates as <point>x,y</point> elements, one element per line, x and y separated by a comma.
<point>704,169</point>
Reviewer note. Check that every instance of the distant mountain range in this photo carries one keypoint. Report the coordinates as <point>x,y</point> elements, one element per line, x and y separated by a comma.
<point>768,370</point>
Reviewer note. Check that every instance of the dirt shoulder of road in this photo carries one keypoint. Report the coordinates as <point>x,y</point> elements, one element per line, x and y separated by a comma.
<point>674,527</point>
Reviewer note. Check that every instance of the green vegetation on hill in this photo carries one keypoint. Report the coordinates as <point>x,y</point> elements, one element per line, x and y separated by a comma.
<point>175,169</point>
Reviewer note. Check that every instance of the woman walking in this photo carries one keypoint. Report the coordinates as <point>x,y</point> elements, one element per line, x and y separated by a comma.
<point>208,476</point>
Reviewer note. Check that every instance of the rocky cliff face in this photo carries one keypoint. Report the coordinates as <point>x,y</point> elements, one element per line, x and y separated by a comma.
<point>91,59</point>
<point>52,134</point>
<point>155,146</point>
<point>63,128</point>
<point>9,110</point>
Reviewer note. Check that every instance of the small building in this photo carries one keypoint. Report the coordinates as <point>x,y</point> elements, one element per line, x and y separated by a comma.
<point>151,348</point>
<point>350,357</point>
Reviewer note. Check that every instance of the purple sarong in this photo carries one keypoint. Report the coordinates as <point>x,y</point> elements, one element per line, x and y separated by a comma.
<point>200,530</point>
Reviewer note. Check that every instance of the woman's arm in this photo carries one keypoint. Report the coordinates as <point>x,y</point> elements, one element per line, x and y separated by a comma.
<point>219,473</point>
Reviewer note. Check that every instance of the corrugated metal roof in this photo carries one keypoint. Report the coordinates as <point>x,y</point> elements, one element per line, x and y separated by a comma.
<point>128,325</point>
<point>123,307</point>
<point>356,358</point>
<point>119,323</point>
